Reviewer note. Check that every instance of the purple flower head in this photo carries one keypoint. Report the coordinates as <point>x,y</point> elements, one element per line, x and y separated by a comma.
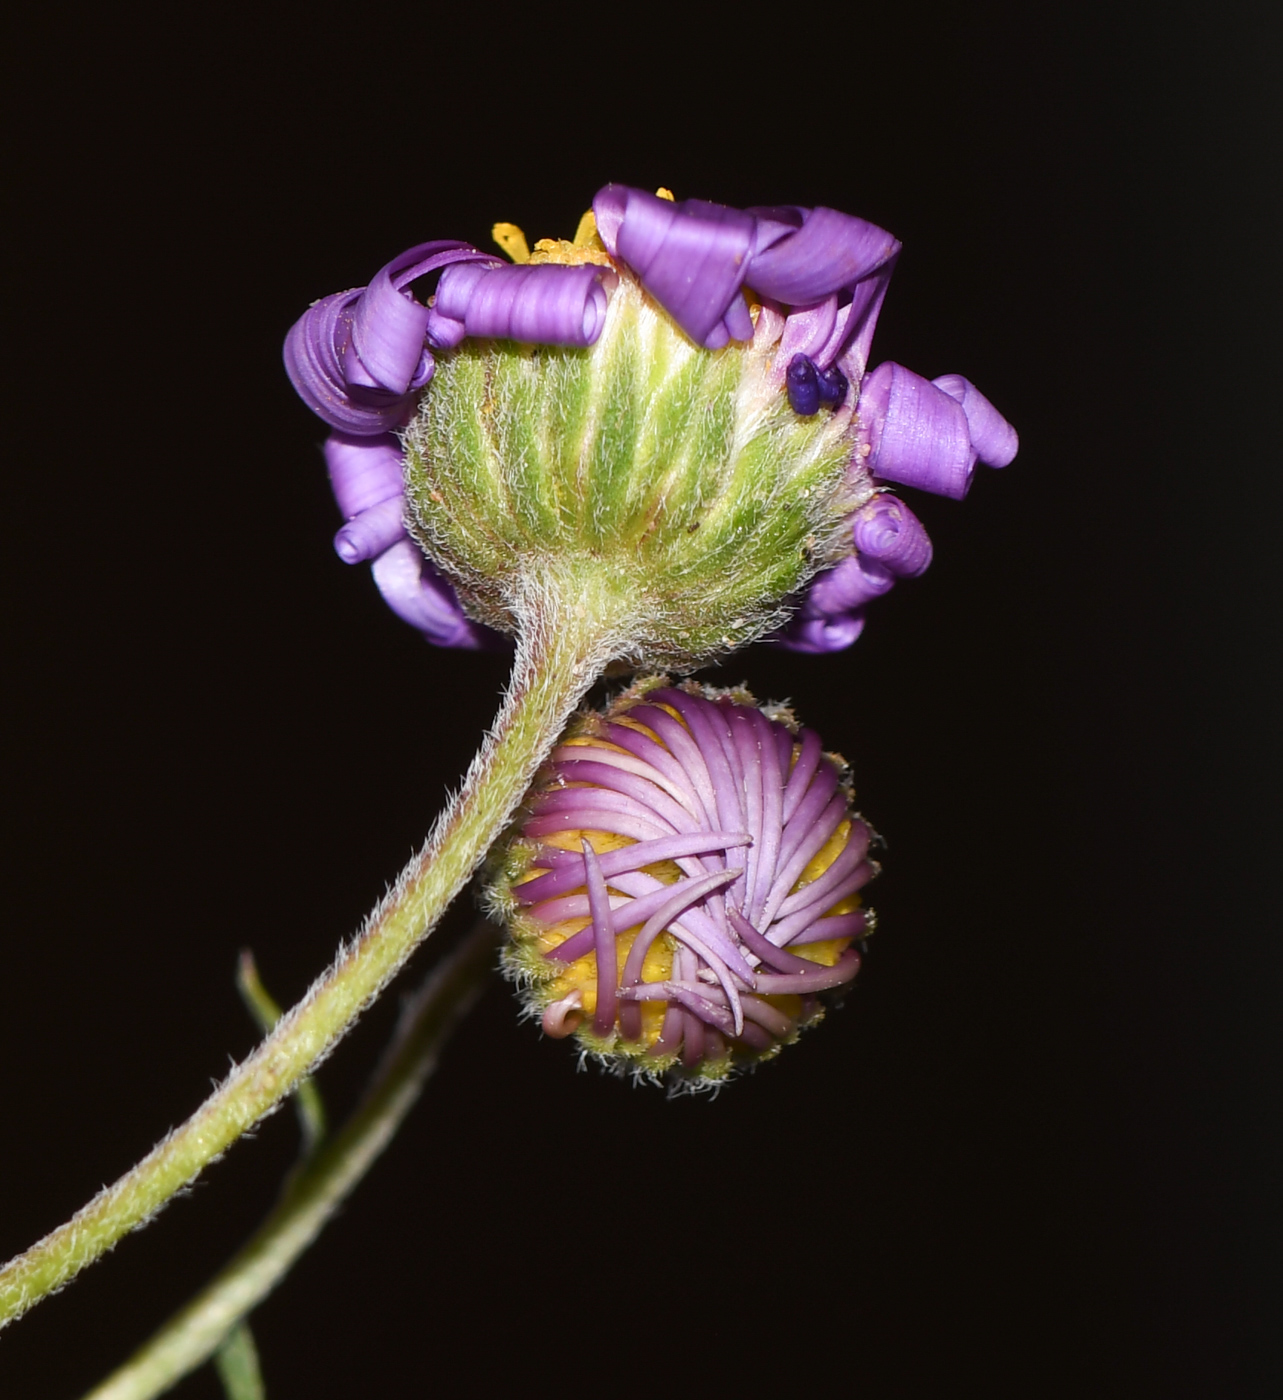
<point>685,883</point>
<point>798,288</point>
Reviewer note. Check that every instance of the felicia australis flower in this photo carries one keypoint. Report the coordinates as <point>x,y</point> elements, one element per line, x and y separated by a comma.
<point>683,885</point>
<point>672,410</point>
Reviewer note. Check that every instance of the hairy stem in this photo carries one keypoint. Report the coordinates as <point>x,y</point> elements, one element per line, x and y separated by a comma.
<point>568,631</point>
<point>312,1196</point>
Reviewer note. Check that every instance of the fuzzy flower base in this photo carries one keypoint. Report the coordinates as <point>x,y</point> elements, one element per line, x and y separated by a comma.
<point>679,476</point>
<point>682,885</point>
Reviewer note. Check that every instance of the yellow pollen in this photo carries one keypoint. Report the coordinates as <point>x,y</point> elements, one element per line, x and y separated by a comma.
<point>586,247</point>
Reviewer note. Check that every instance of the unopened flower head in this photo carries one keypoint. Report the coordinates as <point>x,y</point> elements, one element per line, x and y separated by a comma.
<point>670,411</point>
<point>683,885</point>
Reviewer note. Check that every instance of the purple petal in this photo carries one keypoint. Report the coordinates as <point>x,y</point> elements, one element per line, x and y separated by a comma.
<point>609,206</point>
<point>370,533</point>
<point>603,941</point>
<point>866,302</point>
<point>738,322</point>
<point>836,926</point>
<point>547,304</point>
<point>819,635</point>
<point>455,289</point>
<point>774,222</point>
<point>691,257</point>
<point>354,357</point>
<point>916,434</point>
<point>853,583</point>
<point>808,329</point>
<point>810,753</point>
<point>763,948</point>
<point>388,329</point>
<point>420,595</point>
<point>887,531</point>
<point>829,253</point>
<point>826,354</point>
<point>444,333</point>
<point>841,972</point>
<point>364,471</point>
<point>992,436</point>
<point>568,875</point>
<point>316,350</point>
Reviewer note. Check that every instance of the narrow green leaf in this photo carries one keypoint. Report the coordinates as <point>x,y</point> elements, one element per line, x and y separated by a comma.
<point>260,1005</point>
<point>236,1362</point>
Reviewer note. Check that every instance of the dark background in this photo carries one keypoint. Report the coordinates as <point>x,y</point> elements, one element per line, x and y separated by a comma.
<point>1033,1153</point>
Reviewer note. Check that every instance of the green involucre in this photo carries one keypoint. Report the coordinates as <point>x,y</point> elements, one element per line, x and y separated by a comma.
<point>674,478</point>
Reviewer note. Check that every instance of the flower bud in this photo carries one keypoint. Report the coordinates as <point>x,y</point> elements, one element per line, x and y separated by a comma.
<point>682,885</point>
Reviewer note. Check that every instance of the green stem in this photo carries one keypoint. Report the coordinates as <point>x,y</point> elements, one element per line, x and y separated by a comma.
<point>568,631</point>
<point>192,1335</point>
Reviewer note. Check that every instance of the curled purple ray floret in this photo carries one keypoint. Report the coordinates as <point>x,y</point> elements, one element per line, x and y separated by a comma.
<point>370,533</point>
<point>315,353</point>
<point>416,590</point>
<point>831,616</point>
<point>694,257</point>
<point>690,256</point>
<point>826,253</point>
<point>929,433</point>
<point>364,471</point>
<point>818,636</point>
<point>387,345</point>
<point>890,543</point>
<point>365,476</point>
<point>548,303</point>
<point>885,530</point>
<point>993,438</point>
<point>916,434</point>
<point>848,587</point>
<point>357,357</point>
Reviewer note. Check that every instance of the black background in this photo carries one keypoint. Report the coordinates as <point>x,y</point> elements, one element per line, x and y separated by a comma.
<point>1032,1155</point>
